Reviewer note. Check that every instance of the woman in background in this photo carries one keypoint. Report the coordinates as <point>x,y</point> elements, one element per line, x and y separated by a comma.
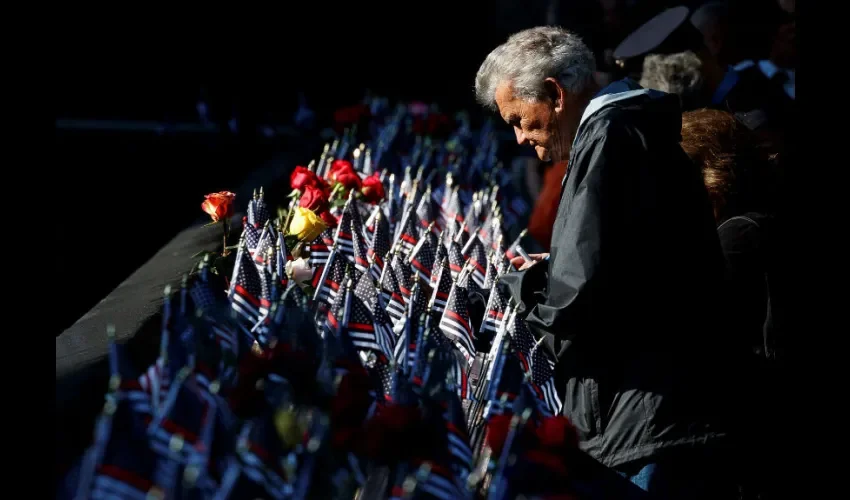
<point>739,174</point>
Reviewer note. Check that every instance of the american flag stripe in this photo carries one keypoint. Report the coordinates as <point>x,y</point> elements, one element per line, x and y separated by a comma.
<point>551,397</point>
<point>139,401</point>
<point>423,271</point>
<point>317,275</point>
<point>367,343</point>
<point>455,317</point>
<point>245,308</point>
<point>107,487</point>
<point>438,484</point>
<point>260,304</point>
<point>385,337</point>
<point>360,264</point>
<point>459,336</point>
<point>225,338</point>
<point>439,304</point>
<point>375,270</point>
<point>459,448</point>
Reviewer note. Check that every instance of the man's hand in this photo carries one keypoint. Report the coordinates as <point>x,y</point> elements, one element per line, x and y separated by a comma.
<point>522,264</point>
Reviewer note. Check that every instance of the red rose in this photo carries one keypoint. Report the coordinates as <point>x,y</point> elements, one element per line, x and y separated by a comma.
<point>302,177</point>
<point>219,205</point>
<point>557,432</point>
<point>373,189</point>
<point>342,172</point>
<point>314,199</point>
<point>329,218</point>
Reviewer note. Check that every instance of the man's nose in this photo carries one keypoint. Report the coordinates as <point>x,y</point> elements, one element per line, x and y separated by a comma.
<point>520,137</point>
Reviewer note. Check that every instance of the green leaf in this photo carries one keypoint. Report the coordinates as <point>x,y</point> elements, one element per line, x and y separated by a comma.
<point>339,202</point>
<point>211,224</point>
<point>291,240</point>
<point>309,290</point>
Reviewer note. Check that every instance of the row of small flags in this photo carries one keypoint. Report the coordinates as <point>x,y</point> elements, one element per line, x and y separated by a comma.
<point>261,391</point>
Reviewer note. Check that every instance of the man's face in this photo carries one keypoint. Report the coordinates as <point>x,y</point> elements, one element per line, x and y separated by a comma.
<point>534,123</point>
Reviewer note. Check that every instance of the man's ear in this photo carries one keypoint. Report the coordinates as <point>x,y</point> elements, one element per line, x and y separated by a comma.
<point>555,92</point>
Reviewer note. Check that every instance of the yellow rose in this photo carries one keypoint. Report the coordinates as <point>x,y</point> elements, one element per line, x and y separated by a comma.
<point>306,225</point>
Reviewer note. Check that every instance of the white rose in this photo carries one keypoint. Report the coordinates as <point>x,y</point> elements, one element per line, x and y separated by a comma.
<point>299,270</point>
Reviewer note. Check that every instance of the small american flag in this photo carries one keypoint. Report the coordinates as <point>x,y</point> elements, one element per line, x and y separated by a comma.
<point>360,257</point>
<point>510,253</point>
<point>496,307</point>
<point>456,260</point>
<point>402,274</point>
<point>360,324</point>
<point>320,251</point>
<point>202,293</point>
<point>252,210</point>
<point>261,211</point>
<point>455,322</point>
<point>409,233</point>
<point>250,234</point>
<point>249,291</point>
<point>492,274</point>
<point>423,254</point>
<point>265,244</point>
<point>462,234</point>
<point>334,318</point>
<point>369,224</point>
<point>177,432</point>
<point>450,232</point>
<point>282,258</point>
<point>440,254</point>
<point>320,248</point>
<point>505,385</point>
<point>259,448</point>
<point>120,464</point>
<point>344,234</point>
<point>465,281</point>
<point>443,286</point>
<point>536,362</point>
<point>391,291</point>
<point>451,208</point>
<point>477,255</point>
<point>367,292</point>
<point>460,452</point>
<point>404,350</point>
<point>331,279</point>
<point>380,244</point>
<point>425,212</point>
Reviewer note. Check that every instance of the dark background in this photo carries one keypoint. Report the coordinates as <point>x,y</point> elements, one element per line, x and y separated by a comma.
<point>134,188</point>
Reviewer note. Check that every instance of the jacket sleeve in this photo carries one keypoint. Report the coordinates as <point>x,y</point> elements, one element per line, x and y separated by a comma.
<point>589,224</point>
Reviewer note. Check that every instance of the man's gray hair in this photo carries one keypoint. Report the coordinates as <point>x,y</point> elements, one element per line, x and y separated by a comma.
<point>531,56</point>
<point>679,73</point>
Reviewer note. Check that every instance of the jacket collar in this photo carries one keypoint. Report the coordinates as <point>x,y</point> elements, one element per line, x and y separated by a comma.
<point>616,91</point>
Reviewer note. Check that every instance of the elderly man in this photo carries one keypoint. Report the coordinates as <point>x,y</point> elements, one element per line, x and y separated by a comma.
<point>627,298</point>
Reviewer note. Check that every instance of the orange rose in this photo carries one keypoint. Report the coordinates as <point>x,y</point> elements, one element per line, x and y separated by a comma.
<point>219,205</point>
